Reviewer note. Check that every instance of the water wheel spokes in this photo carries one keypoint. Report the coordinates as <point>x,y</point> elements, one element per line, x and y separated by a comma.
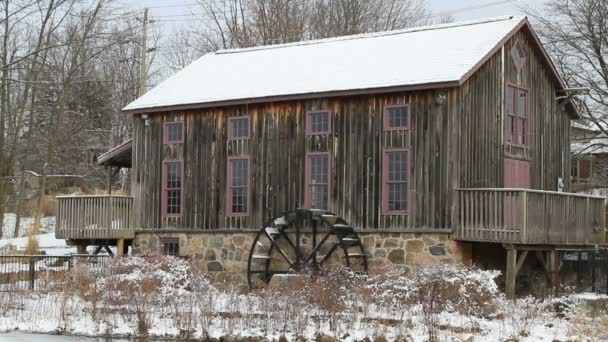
<point>303,240</point>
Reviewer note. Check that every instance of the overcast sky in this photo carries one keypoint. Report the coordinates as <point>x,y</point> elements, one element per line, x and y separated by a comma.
<point>465,9</point>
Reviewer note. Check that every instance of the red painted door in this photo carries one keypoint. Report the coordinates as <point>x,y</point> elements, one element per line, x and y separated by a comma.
<point>517,175</point>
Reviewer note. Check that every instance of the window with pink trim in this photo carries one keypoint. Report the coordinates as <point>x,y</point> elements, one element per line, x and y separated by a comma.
<point>318,122</point>
<point>173,133</point>
<point>238,128</point>
<point>318,181</point>
<point>518,56</point>
<point>516,116</point>
<point>395,178</point>
<point>237,201</point>
<point>170,246</point>
<point>397,117</point>
<point>173,174</point>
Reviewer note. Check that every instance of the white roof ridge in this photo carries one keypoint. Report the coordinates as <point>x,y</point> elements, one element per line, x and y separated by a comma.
<point>369,35</point>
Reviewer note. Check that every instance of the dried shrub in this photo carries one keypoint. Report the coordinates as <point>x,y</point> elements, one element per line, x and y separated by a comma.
<point>451,288</point>
<point>32,247</point>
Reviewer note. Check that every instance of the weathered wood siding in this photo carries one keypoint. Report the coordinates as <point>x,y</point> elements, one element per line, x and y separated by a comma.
<point>277,150</point>
<point>480,105</point>
<point>456,141</point>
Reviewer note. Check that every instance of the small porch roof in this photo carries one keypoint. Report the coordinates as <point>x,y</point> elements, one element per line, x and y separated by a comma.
<point>119,156</point>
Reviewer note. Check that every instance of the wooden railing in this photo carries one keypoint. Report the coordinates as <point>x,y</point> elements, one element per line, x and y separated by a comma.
<point>523,216</point>
<point>94,217</point>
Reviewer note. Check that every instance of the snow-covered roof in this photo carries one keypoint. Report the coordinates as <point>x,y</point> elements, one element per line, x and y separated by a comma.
<point>428,55</point>
<point>597,145</point>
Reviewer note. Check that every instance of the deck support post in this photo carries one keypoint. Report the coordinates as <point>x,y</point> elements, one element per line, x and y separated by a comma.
<point>81,249</point>
<point>120,247</point>
<point>511,272</point>
<point>553,266</point>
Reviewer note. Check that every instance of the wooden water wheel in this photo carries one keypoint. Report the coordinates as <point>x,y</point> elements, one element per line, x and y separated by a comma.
<point>303,240</point>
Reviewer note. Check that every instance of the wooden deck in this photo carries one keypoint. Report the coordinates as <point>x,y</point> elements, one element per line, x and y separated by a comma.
<point>529,217</point>
<point>508,216</point>
<point>94,217</point>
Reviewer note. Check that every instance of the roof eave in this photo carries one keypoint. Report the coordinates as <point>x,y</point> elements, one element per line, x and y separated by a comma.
<point>279,98</point>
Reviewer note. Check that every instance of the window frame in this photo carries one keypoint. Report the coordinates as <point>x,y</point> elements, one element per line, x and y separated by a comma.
<point>385,118</point>
<point>385,181</point>
<point>166,140</point>
<point>308,179</point>
<point>517,116</point>
<point>164,241</point>
<point>229,176</point>
<point>577,167</point>
<point>165,189</point>
<point>309,114</point>
<point>521,54</point>
<point>231,136</point>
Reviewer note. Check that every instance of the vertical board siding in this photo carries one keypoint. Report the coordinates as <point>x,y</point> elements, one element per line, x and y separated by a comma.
<point>455,141</point>
<point>277,148</point>
<point>479,103</point>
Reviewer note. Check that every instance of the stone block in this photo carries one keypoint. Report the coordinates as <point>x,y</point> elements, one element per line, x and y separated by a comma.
<point>397,256</point>
<point>438,250</point>
<point>210,255</point>
<point>414,246</point>
<point>391,243</point>
<point>217,242</point>
<point>215,266</point>
<point>380,253</point>
<point>239,240</point>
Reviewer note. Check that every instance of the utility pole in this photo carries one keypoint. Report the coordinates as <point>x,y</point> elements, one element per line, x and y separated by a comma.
<point>144,51</point>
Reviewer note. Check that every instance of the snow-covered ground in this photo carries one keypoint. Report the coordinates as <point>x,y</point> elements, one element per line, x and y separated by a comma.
<point>168,298</point>
<point>46,240</point>
<point>8,225</point>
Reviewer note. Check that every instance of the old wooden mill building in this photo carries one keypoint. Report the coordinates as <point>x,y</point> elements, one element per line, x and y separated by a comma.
<point>436,144</point>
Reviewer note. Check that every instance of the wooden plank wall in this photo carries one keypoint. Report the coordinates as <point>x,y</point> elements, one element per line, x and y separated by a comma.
<point>479,104</point>
<point>277,150</point>
<point>454,143</point>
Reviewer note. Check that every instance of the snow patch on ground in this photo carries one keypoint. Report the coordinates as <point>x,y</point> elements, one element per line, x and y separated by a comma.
<point>47,243</point>
<point>8,225</point>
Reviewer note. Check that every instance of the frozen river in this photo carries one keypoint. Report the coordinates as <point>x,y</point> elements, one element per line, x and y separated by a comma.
<point>18,336</point>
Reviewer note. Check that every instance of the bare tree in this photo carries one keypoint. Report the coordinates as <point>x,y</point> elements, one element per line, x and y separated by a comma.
<point>576,34</point>
<point>245,23</point>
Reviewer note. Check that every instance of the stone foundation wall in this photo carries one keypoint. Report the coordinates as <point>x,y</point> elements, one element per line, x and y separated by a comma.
<point>224,254</point>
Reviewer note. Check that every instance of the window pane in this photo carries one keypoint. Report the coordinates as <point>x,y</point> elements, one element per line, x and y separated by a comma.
<point>175,132</point>
<point>240,128</point>
<point>319,169</point>
<point>522,131</point>
<point>515,55</point>
<point>319,122</point>
<point>171,247</point>
<point>239,172</point>
<point>239,200</point>
<point>240,184</point>
<point>174,175</point>
<point>510,100</point>
<point>174,201</point>
<point>397,117</point>
<point>522,103</point>
<point>397,169</point>
<point>397,196</point>
<point>319,181</point>
<point>397,181</point>
<point>319,196</point>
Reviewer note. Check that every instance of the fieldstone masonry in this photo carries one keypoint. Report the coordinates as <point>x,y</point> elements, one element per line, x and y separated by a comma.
<point>224,255</point>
